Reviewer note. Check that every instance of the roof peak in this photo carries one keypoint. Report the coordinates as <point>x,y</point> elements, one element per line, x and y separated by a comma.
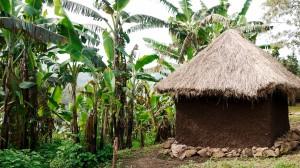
<point>231,66</point>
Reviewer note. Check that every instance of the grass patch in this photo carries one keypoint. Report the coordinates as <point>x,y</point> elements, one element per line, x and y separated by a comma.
<point>249,163</point>
<point>293,109</point>
<point>137,152</point>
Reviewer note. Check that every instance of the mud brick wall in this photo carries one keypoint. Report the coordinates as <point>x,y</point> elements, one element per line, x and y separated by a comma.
<point>219,122</point>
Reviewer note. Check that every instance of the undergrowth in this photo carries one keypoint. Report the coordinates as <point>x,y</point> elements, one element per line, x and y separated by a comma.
<point>59,154</point>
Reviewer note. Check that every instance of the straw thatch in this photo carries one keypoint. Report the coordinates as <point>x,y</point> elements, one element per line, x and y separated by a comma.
<point>233,67</point>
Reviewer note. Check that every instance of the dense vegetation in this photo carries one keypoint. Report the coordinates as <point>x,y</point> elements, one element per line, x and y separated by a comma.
<point>40,127</point>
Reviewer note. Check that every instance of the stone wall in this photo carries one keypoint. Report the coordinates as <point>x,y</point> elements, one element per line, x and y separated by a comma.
<point>282,145</point>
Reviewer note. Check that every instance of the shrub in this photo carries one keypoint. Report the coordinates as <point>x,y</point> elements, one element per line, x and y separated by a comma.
<point>71,155</point>
<point>11,158</point>
<point>105,154</point>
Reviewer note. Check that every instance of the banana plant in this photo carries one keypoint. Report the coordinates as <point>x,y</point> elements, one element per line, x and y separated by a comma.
<point>80,57</point>
<point>192,31</point>
<point>24,40</point>
<point>114,40</point>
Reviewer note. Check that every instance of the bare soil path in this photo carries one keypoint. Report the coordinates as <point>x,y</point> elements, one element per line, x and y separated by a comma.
<point>150,158</point>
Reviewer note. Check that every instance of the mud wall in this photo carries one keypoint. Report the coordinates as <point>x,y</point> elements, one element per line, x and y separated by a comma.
<point>219,122</point>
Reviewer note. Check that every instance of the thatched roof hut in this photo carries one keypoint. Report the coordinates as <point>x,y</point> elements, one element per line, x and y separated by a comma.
<point>231,94</point>
<point>230,66</point>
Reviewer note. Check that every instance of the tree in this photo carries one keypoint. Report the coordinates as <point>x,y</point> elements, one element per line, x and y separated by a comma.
<point>20,31</point>
<point>291,63</point>
<point>114,41</point>
<point>285,12</point>
<point>192,31</point>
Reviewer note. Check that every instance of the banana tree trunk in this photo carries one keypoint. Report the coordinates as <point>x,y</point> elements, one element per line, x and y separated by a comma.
<point>33,131</point>
<point>104,127</point>
<point>30,104</point>
<point>119,65</point>
<point>91,128</point>
<point>5,123</point>
<point>142,138</point>
<point>130,121</point>
<point>164,131</point>
<point>74,124</point>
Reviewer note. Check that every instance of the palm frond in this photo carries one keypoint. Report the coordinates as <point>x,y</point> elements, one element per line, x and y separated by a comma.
<point>33,31</point>
<point>257,28</point>
<point>220,9</point>
<point>162,49</point>
<point>215,18</point>
<point>82,10</point>
<point>203,5</point>
<point>141,27</point>
<point>172,8</point>
<point>245,7</point>
<point>145,19</point>
<point>145,22</point>
<point>94,28</point>
<point>243,12</point>
<point>186,43</point>
<point>90,38</point>
<point>200,13</point>
<point>186,7</point>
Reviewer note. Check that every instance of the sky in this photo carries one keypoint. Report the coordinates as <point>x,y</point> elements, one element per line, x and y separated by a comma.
<point>156,9</point>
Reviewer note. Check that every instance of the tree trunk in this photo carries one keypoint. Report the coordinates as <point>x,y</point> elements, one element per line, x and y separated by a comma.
<point>91,129</point>
<point>115,153</point>
<point>142,138</point>
<point>74,125</point>
<point>33,133</point>
<point>30,104</point>
<point>164,131</point>
<point>91,133</point>
<point>120,65</point>
<point>5,124</point>
<point>104,127</point>
<point>120,127</point>
<point>130,123</point>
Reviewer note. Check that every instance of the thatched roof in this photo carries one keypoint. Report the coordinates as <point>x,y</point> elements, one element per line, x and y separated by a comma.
<point>233,67</point>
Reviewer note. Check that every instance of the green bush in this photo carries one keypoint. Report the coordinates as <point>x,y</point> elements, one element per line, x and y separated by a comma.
<point>11,158</point>
<point>48,150</point>
<point>59,154</point>
<point>105,154</point>
<point>71,155</point>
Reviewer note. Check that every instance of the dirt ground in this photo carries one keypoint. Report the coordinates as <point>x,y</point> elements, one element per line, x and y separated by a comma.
<point>150,158</point>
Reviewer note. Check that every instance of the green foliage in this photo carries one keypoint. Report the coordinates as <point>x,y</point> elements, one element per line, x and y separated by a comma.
<point>48,150</point>
<point>144,60</point>
<point>291,63</point>
<point>26,85</point>
<point>170,6</point>
<point>81,9</point>
<point>109,45</point>
<point>5,5</point>
<point>109,79</point>
<point>146,77</point>
<point>120,4</point>
<point>71,155</point>
<point>149,140</point>
<point>105,154</point>
<point>33,31</point>
<point>59,154</point>
<point>186,8</point>
<point>11,158</point>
